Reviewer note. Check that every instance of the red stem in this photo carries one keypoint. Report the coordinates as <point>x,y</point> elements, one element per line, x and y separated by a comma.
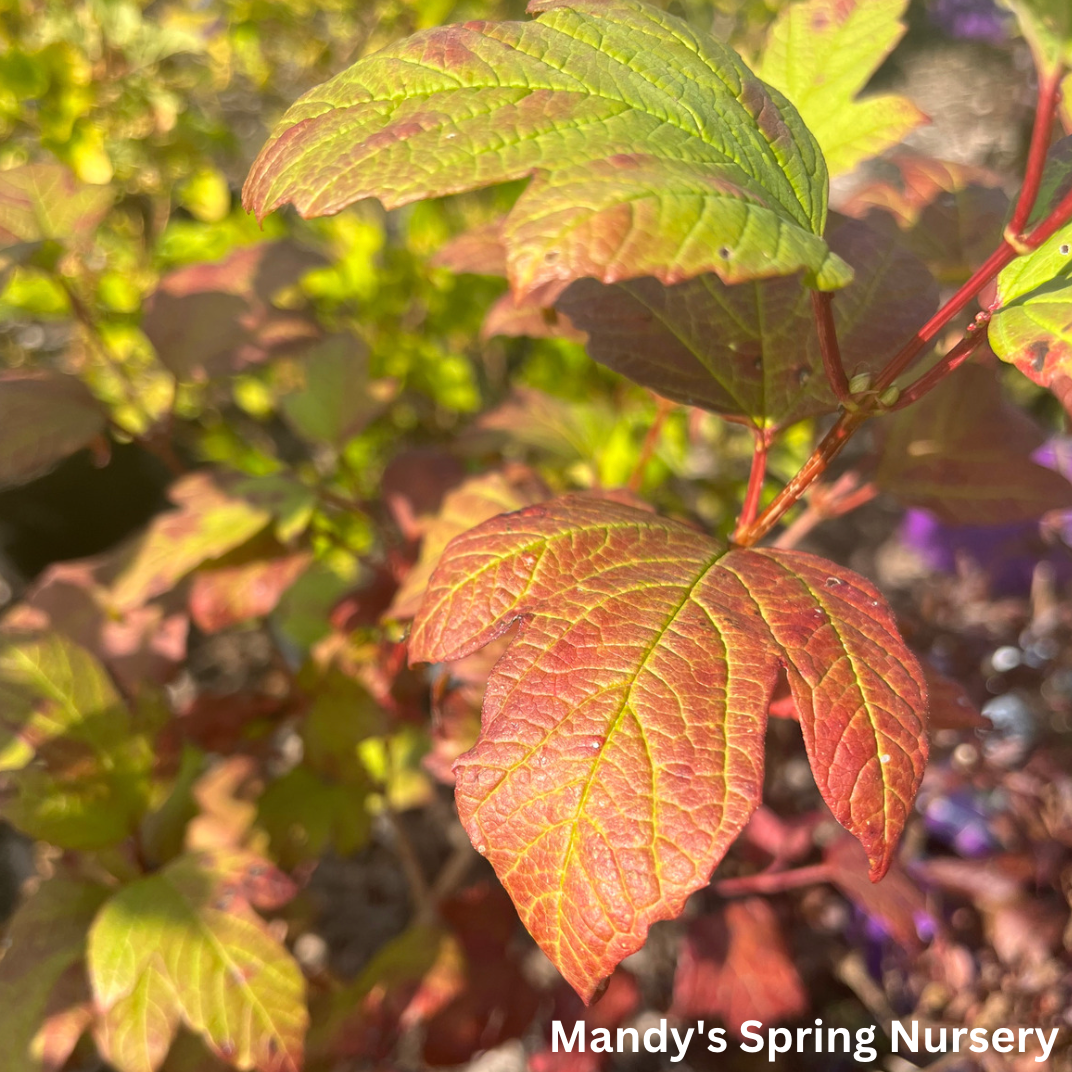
<point>756,477</point>
<point>774,881</point>
<point>949,363</point>
<point>651,439</point>
<point>822,303</point>
<point>1049,94</point>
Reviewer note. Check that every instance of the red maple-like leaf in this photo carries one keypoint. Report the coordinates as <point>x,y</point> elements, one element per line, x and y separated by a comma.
<point>621,750</point>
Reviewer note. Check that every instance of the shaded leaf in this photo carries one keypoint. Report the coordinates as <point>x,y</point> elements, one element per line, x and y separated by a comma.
<point>42,202</point>
<point>44,416</point>
<point>474,501</point>
<point>207,523</point>
<point>821,54</point>
<point>184,945</point>
<point>653,149</point>
<point>337,399</point>
<point>214,319</point>
<point>622,743</point>
<point>1032,327</point>
<point>951,708</point>
<point>751,350</point>
<point>964,453</point>
<point>45,940</point>
<point>227,595</point>
<point>82,769</point>
<point>736,965</point>
<point>953,214</point>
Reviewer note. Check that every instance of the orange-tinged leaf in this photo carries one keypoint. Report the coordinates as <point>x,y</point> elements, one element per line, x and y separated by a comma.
<point>184,946</point>
<point>223,597</point>
<point>208,523</point>
<point>476,500</point>
<point>621,750</point>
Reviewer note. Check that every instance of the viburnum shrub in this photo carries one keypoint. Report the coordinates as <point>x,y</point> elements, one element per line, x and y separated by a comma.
<point>621,749</point>
<point>393,553</point>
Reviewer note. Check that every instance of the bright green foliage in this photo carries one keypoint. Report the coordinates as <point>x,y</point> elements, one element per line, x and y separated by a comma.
<point>185,946</point>
<point>667,159</point>
<point>87,786</point>
<point>1032,328</point>
<point>820,54</point>
<point>46,939</point>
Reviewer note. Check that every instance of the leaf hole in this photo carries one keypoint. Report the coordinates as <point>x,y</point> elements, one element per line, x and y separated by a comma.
<point>1064,249</point>
<point>551,256</point>
<point>832,582</point>
<point>724,252</point>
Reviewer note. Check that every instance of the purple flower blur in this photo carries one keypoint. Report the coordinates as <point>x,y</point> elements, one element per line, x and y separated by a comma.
<point>1008,554</point>
<point>970,20</point>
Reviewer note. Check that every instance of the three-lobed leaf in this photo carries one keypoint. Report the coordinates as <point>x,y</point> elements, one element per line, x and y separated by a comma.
<point>185,946</point>
<point>652,149</point>
<point>621,750</point>
<point>821,54</point>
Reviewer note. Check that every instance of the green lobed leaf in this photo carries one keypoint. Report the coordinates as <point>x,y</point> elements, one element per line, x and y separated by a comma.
<point>44,417</point>
<point>821,54</point>
<point>751,351</point>
<point>964,453</point>
<point>653,150</point>
<point>1032,326</point>
<point>81,767</point>
<point>622,743</point>
<point>45,940</point>
<point>185,946</point>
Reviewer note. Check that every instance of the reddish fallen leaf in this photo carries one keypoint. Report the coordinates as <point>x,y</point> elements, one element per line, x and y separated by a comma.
<point>622,743</point>
<point>736,965</point>
<point>896,903</point>
<point>228,595</point>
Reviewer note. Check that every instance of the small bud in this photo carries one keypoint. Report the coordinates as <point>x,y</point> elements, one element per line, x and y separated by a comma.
<point>889,396</point>
<point>859,384</point>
